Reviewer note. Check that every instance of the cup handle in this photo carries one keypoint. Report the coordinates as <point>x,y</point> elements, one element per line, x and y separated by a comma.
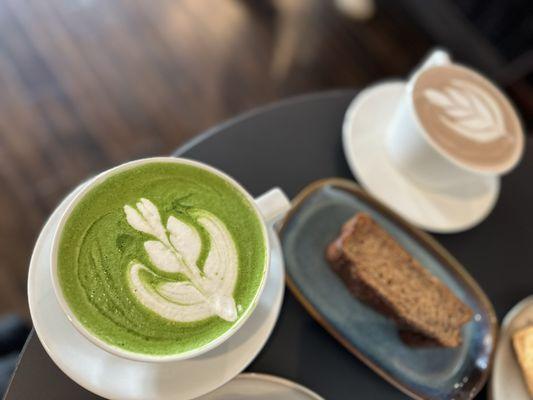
<point>436,57</point>
<point>273,205</point>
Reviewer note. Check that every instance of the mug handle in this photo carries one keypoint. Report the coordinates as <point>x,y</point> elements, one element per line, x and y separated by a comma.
<point>273,205</point>
<point>436,57</point>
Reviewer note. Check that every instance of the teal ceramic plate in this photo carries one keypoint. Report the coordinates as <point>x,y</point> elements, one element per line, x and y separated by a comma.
<point>423,373</point>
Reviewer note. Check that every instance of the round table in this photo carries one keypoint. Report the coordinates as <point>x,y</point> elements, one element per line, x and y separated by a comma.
<point>290,144</point>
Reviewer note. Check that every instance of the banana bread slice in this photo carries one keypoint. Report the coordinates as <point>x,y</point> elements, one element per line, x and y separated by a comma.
<point>380,272</point>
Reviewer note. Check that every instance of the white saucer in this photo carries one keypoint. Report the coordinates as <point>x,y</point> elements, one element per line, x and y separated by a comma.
<point>506,378</point>
<point>365,126</point>
<point>116,378</point>
<point>261,387</point>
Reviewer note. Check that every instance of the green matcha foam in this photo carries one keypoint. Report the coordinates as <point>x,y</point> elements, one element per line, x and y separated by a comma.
<point>161,258</point>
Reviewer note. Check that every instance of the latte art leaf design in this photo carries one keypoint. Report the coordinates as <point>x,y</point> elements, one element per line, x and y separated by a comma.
<point>176,248</point>
<point>469,110</point>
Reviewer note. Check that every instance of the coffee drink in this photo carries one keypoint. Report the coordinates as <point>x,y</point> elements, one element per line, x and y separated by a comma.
<point>467,118</point>
<point>161,258</point>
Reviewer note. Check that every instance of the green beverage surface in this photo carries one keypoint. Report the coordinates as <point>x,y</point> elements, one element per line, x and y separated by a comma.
<point>161,258</point>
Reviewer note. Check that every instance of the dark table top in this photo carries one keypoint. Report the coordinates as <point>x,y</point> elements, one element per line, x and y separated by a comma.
<point>291,144</point>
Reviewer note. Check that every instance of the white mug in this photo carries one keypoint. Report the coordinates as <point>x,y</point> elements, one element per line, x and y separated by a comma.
<point>269,207</point>
<point>412,150</point>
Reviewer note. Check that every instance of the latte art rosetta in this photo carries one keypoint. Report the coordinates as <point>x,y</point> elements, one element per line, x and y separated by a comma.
<point>469,110</point>
<point>175,248</point>
<point>467,118</point>
<point>162,258</point>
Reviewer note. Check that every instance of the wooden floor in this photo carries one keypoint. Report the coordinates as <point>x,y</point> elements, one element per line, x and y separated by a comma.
<point>86,84</point>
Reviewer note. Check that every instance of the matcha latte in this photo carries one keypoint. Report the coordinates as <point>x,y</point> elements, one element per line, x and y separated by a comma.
<point>161,258</point>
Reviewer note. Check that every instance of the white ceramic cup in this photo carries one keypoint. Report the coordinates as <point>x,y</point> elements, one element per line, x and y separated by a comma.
<point>269,208</point>
<point>413,151</point>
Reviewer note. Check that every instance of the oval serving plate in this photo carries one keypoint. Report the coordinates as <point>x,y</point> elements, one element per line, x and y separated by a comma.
<point>423,373</point>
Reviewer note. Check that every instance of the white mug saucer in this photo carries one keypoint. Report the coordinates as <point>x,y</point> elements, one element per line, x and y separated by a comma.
<point>442,211</point>
<point>250,386</point>
<point>506,380</point>
<point>114,377</point>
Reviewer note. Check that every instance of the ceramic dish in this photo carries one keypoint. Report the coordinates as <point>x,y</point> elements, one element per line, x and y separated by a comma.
<point>251,386</point>
<point>423,373</point>
<point>507,381</point>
